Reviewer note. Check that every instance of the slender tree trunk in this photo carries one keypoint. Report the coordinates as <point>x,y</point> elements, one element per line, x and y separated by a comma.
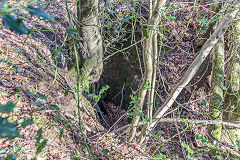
<point>92,50</point>
<point>149,58</point>
<point>151,92</point>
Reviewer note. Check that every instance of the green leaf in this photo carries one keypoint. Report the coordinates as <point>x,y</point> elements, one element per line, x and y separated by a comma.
<point>66,92</point>
<point>204,102</point>
<point>147,118</point>
<point>38,12</point>
<point>186,146</point>
<point>156,137</point>
<point>105,151</point>
<point>3,94</point>
<point>10,157</point>
<point>41,96</point>
<point>214,19</point>
<point>145,33</point>
<point>37,103</point>
<point>220,76</point>
<point>171,17</point>
<point>203,29</point>
<point>39,135</point>
<point>40,146</point>
<point>168,4</point>
<point>7,108</point>
<point>104,89</point>
<point>85,150</point>
<point>8,130</point>
<point>15,24</point>
<point>54,107</point>
<point>223,87</point>
<point>125,18</point>
<point>26,123</point>
<point>182,120</point>
<point>3,7</point>
<point>191,158</point>
<point>203,20</point>
<point>61,133</point>
<point>3,151</point>
<point>147,84</point>
<point>203,139</point>
<point>160,156</point>
<point>71,31</point>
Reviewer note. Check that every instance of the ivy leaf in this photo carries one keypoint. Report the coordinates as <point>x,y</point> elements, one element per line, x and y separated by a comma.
<point>38,12</point>
<point>39,135</point>
<point>204,102</point>
<point>105,151</point>
<point>203,20</point>
<point>71,31</point>
<point>147,118</point>
<point>171,17</point>
<point>203,29</point>
<point>3,6</point>
<point>10,157</point>
<point>37,103</point>
<point>26,123</point>
<point>15,24</point>
<point>160,156</point>
<point>40,146</point>
<point>8,130</point>
<point>7,108</point>
<point>145,33</point>
<point>223,87</point>
<point>66,92</point>
<point>125,18</point>
<point>54,107</point>
<point>41,96</point>
<point>214,19</point>
<point>168,4</point>
<point>85,150</point>
<point>156,137</point>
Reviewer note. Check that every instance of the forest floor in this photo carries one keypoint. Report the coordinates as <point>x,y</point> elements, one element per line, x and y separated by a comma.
<point>31,80</point>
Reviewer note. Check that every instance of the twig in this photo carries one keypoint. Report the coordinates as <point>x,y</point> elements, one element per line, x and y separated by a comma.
<point>201,122</point>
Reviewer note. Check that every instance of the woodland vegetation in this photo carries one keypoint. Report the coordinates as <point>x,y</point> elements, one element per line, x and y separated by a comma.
<point>120,79</point>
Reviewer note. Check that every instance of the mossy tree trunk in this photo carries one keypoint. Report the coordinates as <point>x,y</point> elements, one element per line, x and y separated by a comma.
<point>232,98</point>
<point>217,83</point>
<point>92,49</point>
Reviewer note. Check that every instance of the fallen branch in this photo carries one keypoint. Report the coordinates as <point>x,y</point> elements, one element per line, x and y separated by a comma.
<point>200,122</point>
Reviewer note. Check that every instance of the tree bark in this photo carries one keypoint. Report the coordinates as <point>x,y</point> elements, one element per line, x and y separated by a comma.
<point>149,58</point>
<point>232,98</point>
<point>92,51</point>
<point>217,83</point>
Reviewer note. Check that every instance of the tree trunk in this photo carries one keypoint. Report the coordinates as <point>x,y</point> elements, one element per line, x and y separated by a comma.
<point>232,98</point>
<point>149,58</point>
<point>92,50</point>
<point>217,83</point>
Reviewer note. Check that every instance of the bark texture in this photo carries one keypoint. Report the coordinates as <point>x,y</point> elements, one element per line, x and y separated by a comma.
<point>92,50</point>
<point>217,83</point>
<point>232,98</point>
